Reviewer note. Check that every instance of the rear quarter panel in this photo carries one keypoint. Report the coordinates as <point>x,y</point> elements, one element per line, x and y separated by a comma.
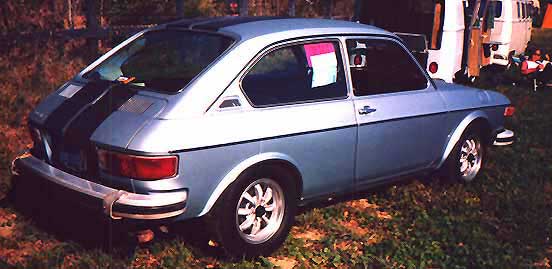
<point>466,105</point>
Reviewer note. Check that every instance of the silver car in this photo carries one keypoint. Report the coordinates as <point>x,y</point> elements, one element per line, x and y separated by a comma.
<point>243,119</point>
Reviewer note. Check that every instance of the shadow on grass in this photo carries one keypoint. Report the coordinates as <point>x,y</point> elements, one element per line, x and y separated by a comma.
<point>434,180</point>
<point>52,211</point>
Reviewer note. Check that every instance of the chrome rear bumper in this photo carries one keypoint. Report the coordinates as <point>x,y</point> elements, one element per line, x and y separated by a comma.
<point>504,138</point>
<point>116,203</point>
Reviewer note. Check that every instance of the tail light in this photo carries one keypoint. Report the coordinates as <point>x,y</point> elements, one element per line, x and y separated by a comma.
<point>137,167</point>
<point>509,111</point>
<point>433,67</point>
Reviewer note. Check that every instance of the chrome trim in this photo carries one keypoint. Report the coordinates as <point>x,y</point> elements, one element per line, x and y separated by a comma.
<point>259,216</point>
<point>470,158</point>
<point>507,137</point>
<point>149,217</point>
<point>102,192</point>
<point>108,202</point>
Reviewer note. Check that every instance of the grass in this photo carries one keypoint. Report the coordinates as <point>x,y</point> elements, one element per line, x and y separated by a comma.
<point>502,220</point>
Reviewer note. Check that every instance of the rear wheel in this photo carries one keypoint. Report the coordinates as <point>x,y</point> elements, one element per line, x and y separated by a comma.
<point>254,216</point>
<point>466,159</point>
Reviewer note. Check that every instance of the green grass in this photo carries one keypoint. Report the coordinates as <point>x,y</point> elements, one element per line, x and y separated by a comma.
<point>501,220</point>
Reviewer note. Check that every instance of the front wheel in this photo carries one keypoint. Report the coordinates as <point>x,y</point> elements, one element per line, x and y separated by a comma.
<point>254,216</point>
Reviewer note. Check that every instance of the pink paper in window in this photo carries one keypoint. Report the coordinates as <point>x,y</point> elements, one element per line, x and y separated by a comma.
<point>322,59</point>
<point>318,49</point>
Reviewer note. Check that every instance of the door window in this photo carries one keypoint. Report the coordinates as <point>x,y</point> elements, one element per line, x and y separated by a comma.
<point>498,9</point>
<point>382,66</point>
<point>296,73</point>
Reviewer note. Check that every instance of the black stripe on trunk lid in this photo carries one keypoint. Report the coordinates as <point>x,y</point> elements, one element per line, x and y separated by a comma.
<point>61,116</point>
<point>81,128</point>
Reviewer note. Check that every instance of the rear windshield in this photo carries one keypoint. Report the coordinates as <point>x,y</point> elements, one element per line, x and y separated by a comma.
<point>164,60</point>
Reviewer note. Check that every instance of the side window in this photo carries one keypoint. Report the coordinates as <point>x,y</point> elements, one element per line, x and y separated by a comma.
<point>297,73</point>
<point>382,66</point>
<point>498,9</point>
<point>518,11</point>
<point>524,10</point>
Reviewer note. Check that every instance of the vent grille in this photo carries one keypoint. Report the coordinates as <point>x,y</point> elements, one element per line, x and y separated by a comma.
<point>136,104</point>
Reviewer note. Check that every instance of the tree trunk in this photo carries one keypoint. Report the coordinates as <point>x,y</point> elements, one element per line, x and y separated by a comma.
<point>328,8</point>
<point>179,8</point>
<point>91,15</point>
<point>70,14</point>
<point>291,8</point>
<point>244,6</point>
<point>92,27</point>
<point>259,7</point>
<point>358,9</point>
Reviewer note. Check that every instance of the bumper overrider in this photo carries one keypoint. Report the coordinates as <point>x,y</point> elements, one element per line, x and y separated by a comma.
<point>504,138</point>
<point>115,203</point>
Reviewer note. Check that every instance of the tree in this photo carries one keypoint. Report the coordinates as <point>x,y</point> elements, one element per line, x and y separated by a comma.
<point>291,8</point>
<point>179,8</point>
<point>244,6</point>
<point>92,23</point>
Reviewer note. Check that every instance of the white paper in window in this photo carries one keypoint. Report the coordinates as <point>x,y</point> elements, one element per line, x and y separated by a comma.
<point>323,61</point>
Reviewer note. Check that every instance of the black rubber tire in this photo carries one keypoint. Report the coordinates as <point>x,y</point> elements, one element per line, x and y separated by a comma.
<point>451,167</point>
<point>222,217</point>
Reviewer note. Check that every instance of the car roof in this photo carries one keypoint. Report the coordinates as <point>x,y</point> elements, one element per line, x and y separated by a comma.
<point>252,27</point>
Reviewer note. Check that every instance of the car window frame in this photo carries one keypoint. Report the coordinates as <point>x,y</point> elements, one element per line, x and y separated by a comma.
<point>430,84</point>
<point>294,42</point>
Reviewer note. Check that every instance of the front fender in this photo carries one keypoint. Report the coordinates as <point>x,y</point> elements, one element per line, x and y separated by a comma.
<point>455,136</point>
<point>238,170</point>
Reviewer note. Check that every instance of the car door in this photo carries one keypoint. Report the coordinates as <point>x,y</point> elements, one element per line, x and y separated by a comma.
<point>399,113</point>
<point>299,91</point>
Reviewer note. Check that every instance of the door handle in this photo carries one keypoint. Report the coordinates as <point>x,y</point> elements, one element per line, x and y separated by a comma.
<point>366,110</point>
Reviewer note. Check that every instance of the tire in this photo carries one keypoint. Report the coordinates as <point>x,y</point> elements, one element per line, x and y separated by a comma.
<point>247,227</point>
<point>467,157</point>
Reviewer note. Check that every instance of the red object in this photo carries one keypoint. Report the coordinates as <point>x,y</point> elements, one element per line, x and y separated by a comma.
<point>509,111</point>
<point>494,47</point>
<point>137,167</point>
<point>547,20</point>
<point>318,49</point>
<point>358,60</point>
<point>433,67</point>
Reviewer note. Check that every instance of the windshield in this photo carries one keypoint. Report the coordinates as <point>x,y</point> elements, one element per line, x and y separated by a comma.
<point>163,60</point>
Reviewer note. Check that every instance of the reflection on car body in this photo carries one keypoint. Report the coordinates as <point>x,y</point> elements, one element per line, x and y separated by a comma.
<point>244,119</point>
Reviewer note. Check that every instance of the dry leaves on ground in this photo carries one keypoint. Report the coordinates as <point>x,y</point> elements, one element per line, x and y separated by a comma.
<point>365,206</point>
<point>283,262</point>
<point>24,250</point>
<point>312,234</point>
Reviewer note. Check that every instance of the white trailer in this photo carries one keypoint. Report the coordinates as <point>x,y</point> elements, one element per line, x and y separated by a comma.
<point>512,29</point>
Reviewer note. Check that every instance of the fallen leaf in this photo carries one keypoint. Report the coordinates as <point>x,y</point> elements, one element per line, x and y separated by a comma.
<point>6,231</point>
<point>283,262</point>
<point>312,234</point>
<point>361,204</point>
<point>354,227</point>
<point>383,215</point>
